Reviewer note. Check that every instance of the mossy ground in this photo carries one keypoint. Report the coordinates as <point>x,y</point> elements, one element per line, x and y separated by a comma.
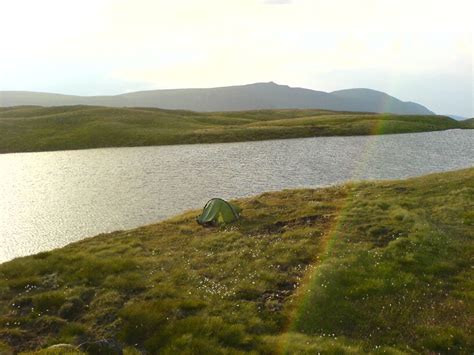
<point>382,267</point>
<point>29,129</point>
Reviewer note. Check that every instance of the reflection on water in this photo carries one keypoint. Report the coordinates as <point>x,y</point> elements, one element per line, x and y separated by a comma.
<point>50,199</point>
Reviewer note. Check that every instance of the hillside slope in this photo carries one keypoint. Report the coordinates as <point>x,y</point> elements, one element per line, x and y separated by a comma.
<point>379,101</point>
<point>469,123</point>
<point>380,267</point>
<point>28,129</point>
<point>231,98</point>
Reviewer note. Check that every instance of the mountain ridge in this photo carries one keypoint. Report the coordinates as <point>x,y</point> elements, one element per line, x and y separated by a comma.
<point>263,95</point>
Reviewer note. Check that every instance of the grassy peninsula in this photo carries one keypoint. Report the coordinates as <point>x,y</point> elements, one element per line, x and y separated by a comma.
<point>33,128</point>
<point>373,267</point>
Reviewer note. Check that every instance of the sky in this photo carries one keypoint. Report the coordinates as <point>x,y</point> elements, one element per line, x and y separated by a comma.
<point>416,50</point>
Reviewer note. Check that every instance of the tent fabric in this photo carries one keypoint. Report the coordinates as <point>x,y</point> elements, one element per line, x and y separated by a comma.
<point>218,211</point>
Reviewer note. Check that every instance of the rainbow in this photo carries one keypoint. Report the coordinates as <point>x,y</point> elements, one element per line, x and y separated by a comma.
<point>328,241</point>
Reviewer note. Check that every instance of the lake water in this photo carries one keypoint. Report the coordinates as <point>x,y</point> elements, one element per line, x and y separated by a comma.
<point>50,199</point>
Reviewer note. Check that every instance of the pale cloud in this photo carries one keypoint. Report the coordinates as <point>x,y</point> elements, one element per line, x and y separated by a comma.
<point>140,44</point>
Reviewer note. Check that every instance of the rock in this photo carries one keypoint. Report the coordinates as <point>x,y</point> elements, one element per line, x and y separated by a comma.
<point>63,347</point>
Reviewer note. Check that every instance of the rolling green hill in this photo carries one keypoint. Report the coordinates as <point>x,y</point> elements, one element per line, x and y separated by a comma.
<point>469,123</point>
<point>30,128</point>
<point>379,267</point>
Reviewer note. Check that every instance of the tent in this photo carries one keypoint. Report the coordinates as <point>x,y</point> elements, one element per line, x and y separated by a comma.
<point>218,211</point>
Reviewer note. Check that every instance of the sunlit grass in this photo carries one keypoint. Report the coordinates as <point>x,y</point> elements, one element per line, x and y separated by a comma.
<point>368,267</point>
<point>24,129</point>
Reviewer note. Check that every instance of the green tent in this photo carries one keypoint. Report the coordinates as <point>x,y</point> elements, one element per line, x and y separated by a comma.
<point>218,211</point>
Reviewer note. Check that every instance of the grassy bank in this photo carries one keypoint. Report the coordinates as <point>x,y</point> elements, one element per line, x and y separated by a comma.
<point>363,267</point>
<point>29,129</point>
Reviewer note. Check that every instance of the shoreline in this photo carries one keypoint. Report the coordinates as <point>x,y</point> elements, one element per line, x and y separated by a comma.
<point>197,209</point>
<point>77,128</point>
<point>299,265</point>
<point>240,141</point>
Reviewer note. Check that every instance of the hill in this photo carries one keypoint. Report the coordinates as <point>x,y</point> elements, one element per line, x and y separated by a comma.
<point>380,102</point>
<point>457,117</point>
<point>379,267</point>
<point>231,98</point>
<point>469,123</point>
<point>28,129</point>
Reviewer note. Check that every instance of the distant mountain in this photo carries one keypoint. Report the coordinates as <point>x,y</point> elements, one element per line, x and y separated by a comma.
<point>457,117</point>
<point>230,98</point>
<point>380,102</point>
